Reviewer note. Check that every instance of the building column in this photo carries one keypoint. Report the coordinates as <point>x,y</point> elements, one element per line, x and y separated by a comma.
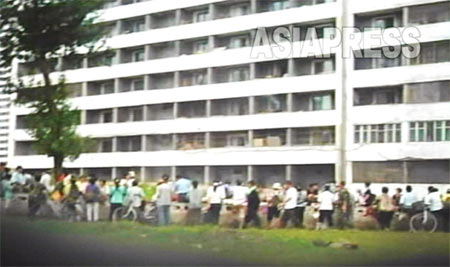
<point>211,42</point>
<point>251,105</point>
<point>147,52</point>
<point>83,118</point>
<point>252,74</point>
<point>175,110</point>
<point>116,85</point>
<point>249,173</point>
<point>84,89</point>
<point>253,6</point>
<point>207,140</point>
<point>290,102</point>
<point>114,144</point>
<point>291,68</point>
<point>147,82</point>
<point>289,137</point>
<point>148,22</point>
<point>143,174</point>
<point>173,172</point>
<point>208,108</point>
<point>177,48</point>
<point>177,17</point>
<point>250,138</point>
<point>143,143</point>
<point>176,79</point>
<point>212,11</point>
<point>210,75</point>
<point>207,172</point>
<point>115,115</point>
<point>288,172</point>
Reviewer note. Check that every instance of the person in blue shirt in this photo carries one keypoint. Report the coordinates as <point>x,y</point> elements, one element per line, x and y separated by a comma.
<point>182,187</point>
<point>117,195</point>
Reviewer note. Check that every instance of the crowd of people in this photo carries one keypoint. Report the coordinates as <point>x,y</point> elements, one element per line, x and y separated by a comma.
<point>330,205</point>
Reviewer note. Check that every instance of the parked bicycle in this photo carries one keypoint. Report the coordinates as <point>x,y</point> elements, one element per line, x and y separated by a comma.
<point>147,213</point>
<point>423,221</point>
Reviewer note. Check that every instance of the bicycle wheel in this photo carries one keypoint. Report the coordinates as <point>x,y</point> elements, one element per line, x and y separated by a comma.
<point>419,223</point>
<point>122,214</point>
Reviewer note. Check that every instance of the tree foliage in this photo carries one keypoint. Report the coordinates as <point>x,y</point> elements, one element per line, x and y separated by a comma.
<point>39,31</point>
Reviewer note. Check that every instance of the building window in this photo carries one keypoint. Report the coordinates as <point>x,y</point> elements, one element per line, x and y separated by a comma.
<point>279,5</point>
<point>130,114</point>
<point>313,136</point>
<point>322,66</point>
<point>384,22</point>
<point>189,141</point>
<point>134,26</point>
<point>436,52</point>
<point>379,133</point>
<point>200,16</point>
<point>239,10</point>
<point>137,85</point>
<point>229,139</point>
<point>428,14</point>
<point>194,109</point>
<point>270,103</point>
<point>160,112</point>
<point>429,131</point>
<point>159,142</point>
<point>99,116</point>
<point>378,95</point>
<point>129,143</point>
<point>239,41</point>
<point>230,107</point>
<point>238,74</point>
<point>313,101</point>
<point>431,92</point>
<point>271,138</point>
<point>104,145</point>
<point>200,47</point>
<point>138,55</point>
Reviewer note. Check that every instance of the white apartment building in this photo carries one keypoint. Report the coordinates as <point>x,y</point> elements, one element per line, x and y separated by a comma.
<point>4,117</point>
<point>178,93</point>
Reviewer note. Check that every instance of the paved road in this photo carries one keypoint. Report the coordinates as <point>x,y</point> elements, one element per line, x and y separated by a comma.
<point>22,247</point>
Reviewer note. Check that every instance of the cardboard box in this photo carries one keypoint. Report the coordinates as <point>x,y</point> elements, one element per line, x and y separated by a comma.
<point>273,141</point>
<point>259,142</point>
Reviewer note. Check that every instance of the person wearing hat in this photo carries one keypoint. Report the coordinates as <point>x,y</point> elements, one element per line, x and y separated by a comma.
<point>274,200</point>
<point>117,195</point>
<point>215,196</point>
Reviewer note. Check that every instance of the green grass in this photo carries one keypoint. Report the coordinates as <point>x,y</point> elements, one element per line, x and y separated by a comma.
<point>272,247</point>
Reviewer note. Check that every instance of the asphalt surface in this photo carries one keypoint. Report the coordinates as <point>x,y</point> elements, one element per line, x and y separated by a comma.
<point>23,247</point>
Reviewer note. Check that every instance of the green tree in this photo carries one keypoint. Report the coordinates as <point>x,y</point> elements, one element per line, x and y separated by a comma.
<point>39,32</point>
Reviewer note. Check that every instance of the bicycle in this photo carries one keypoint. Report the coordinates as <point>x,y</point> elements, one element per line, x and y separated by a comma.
<point>424,221</point>
<point>130,213</point>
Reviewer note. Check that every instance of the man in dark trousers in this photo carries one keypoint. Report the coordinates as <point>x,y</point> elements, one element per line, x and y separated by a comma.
<point>252,205</point>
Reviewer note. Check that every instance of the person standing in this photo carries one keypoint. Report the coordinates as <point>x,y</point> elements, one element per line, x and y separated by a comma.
<point>195,205</point>
<point>18,179</point>
<point>239,199</point>
<point>386,209</point>
<point>7,192</point>
<point>182,187</point>
<point>273,201</point>
<point>407,200</point>
<point>302,200</point>
<point>117,196</point>
<point>434,202</point>
<point>37,197</point>
<point>290,204</point>
<point>326,200</point>
<point>215,196</point>
<point>344,206</point>
<point>164,200</point>
<point>46,180</point>
<point>135,196</point>
<point>252,206</point>
<point>92,198</point>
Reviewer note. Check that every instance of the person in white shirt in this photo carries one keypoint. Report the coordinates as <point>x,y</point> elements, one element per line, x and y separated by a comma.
<point>407,200</point>
<point>46,180</point>
<point>195,197</point>
<point>239,198</point>
<point>290,205</point>
<point>135,195</point>
<point>326,200</point>
<point>434,202</point>
<point>215,196</point>
<point>164,200</point>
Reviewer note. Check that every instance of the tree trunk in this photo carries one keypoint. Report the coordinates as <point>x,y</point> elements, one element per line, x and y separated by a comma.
<point>57,166</point>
